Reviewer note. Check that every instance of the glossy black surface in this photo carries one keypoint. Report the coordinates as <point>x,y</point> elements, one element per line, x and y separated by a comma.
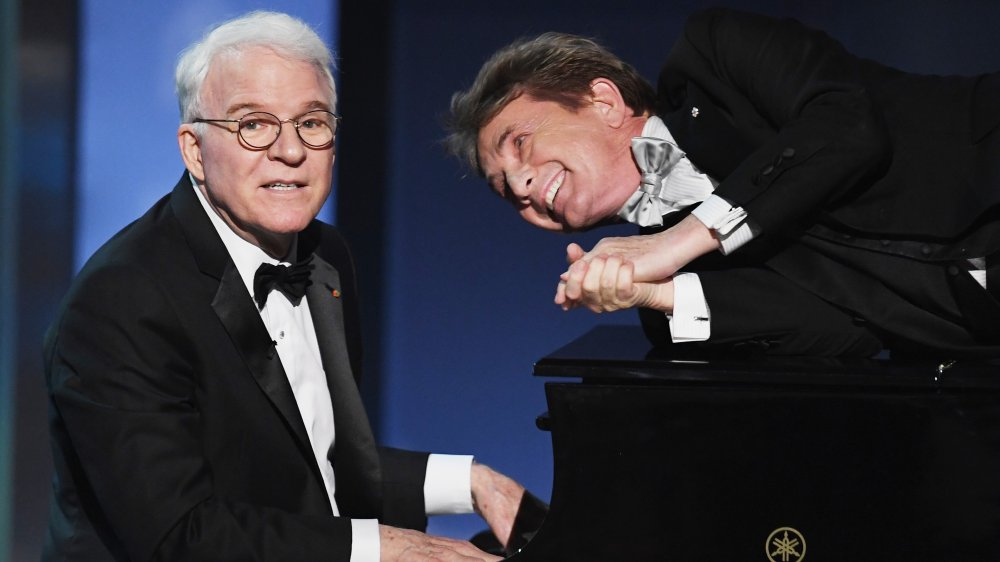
<point>659,459</point>
<point>622,353</point>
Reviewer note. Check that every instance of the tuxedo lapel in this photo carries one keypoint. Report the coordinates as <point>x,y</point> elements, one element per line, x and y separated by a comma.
<point>706,131</point>
<point>235,309</point>
<point>354,457</point>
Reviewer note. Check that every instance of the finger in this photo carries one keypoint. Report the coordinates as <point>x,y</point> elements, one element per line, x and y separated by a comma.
<point>561,288</point>
<point>591,285</point>
<point>625,290</point>
<point>574,252</point>
<point>460,551</point>
<point>574,280</point>
<point>609,283</point>
<point>561,299</point>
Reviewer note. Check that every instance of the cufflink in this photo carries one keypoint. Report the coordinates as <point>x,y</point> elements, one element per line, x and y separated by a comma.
<point>694,112</point>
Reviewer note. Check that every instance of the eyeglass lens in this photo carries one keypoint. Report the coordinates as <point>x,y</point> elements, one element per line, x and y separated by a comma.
<point>260,129</point>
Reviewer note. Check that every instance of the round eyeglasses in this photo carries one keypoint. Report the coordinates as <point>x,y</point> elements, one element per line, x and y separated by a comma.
<point>261,129</point>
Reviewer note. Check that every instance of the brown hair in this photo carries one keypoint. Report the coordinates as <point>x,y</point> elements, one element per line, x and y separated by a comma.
<point>555,67</point>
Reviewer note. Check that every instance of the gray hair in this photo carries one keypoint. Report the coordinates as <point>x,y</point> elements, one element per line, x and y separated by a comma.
<point>288,36</point>
<point>555,67</point>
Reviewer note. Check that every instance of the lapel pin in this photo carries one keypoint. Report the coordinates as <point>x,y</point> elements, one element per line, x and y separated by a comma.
<point>694,112</point>
<point>335,293</point>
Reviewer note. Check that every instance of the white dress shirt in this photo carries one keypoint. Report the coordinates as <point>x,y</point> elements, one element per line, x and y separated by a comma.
<point>447,485</point>
<point>691,318</point>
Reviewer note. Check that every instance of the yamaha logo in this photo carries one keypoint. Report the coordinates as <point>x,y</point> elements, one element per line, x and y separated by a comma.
<point>785,544</point>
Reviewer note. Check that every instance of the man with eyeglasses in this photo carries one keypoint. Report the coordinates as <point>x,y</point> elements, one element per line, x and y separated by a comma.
<point>203,369</point>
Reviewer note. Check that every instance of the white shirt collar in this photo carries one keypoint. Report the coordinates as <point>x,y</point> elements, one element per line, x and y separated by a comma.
<point>245,255</point>
<point>656,128</point>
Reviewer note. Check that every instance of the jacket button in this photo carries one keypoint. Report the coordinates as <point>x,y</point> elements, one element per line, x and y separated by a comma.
<point>788,153</point>
<point>884,242</point>
<point>767,170</point>
<point>925,250</point>
<point>952,270</point>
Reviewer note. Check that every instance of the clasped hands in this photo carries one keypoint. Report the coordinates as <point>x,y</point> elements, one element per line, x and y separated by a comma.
<point>631,271</point>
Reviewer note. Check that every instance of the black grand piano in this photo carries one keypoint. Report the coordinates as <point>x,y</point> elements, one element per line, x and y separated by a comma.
<point>764,459</point>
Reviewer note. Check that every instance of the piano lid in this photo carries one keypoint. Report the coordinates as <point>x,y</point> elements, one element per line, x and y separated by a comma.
<point>622,354</point>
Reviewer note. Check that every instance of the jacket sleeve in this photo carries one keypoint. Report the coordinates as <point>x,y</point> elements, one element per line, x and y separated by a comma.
<point>795,96</point>
<point>403,472</point>
<point>755,311</point>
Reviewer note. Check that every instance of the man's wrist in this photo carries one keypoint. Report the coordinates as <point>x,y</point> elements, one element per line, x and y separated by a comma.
<point>690,239</point>
<point>657,296</point>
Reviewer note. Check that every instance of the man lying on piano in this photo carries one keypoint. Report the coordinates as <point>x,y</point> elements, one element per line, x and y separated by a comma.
<point>792,198</point>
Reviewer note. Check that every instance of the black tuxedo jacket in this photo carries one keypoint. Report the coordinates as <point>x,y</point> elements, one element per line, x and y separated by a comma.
<point>871,187</point>
<point>175,432</point>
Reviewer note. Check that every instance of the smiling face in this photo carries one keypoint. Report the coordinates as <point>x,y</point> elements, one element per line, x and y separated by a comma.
<point>562,169</point>
<point>265,196</point>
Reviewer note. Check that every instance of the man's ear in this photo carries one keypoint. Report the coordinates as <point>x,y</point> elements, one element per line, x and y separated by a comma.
<point>190,145</point>
<point>607,100</point>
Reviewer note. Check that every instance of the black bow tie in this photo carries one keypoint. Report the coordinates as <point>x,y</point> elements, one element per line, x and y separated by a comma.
<point>291,280</point>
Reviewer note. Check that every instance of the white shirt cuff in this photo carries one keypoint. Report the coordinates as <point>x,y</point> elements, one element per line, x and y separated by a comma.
<point>728,222</point>
<point>448,484</point>
<point>365,540</point>
<point>690,320</point>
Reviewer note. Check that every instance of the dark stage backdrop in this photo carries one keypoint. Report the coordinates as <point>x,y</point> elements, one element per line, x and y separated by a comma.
<point>457,291</point>
<point>38,70</point>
